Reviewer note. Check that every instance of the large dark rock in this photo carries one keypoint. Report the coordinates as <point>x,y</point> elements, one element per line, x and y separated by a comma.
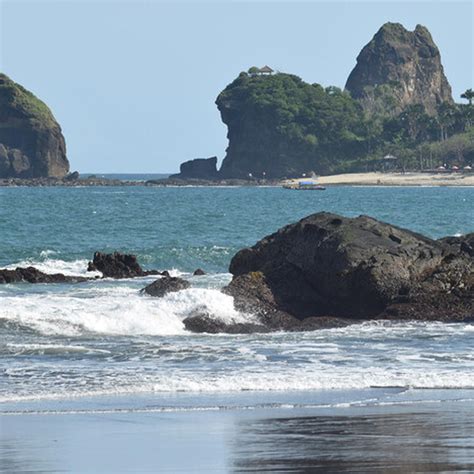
<point>326,265</point>
<point>31,142</point>
<point>33,275</point>
<point>402,67</point>
<point>118,265</point>
<point>165,285</point>
<point>199,168</point>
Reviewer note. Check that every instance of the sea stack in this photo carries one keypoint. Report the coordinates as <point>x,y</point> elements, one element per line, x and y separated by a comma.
<point>280,126</point>
<point>31,142</point>
<point>405,65</point>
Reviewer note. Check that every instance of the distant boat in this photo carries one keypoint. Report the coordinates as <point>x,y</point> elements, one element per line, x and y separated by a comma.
<point>303,184</point>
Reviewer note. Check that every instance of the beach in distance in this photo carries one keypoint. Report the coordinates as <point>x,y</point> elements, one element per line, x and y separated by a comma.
<point>372,178</point>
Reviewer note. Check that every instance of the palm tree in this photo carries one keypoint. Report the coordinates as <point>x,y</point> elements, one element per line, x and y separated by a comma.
<point>468,95</point>
<point>446,118</point>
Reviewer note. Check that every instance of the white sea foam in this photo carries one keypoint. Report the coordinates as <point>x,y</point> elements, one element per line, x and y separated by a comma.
<point>56,265</point>
<point>267,379</point>
<point>115,311</point>
<point>52,349</point>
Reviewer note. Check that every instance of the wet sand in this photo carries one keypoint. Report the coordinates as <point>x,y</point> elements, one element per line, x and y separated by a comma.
<point>419,437</point>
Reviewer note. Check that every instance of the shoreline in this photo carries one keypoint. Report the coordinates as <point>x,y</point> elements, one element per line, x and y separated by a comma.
<point>421,435</point>
<point>408,179</point>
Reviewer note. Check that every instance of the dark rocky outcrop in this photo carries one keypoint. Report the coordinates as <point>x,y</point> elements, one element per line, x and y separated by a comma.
<point>31,142</point>
<point>33,275</point>
<point>74,176</point>
<point>165,285</point>
<point>404,65</point>
<point>204,323</point>
<point>463,243</point>
<point>327,266</point>
<point>199,272</point>
<point>118,265</point>
<point>199,168</point>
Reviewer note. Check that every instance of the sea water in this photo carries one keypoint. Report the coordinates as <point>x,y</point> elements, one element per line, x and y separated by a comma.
<point>102,346</point>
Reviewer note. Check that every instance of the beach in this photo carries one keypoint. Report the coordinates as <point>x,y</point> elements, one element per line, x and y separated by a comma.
<point>399,179</point>
<point>408,436</point>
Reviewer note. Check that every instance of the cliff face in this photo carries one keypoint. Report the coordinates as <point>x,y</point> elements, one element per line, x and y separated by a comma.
<point>280,126</point>
<point>403,66</point>
<point>31,142</point>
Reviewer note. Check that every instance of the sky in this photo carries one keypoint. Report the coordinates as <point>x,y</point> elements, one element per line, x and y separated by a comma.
<point>133,83</point>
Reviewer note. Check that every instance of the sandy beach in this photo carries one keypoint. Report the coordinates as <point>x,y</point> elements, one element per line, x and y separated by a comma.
<point>414,437</point>
<point>399,179</point>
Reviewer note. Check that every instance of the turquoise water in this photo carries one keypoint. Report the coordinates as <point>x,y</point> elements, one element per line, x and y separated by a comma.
<point>70,344</point>
<point>186,228</point>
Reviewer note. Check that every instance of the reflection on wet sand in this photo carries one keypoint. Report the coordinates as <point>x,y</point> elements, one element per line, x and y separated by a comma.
<point>431,441</point>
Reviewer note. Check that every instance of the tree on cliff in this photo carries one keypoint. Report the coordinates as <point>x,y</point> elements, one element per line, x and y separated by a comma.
<point>468,95</point>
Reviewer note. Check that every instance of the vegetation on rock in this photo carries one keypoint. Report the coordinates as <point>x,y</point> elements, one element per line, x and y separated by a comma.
<point>281,126</point>
<point>31,142</point>
<point>398,104</point>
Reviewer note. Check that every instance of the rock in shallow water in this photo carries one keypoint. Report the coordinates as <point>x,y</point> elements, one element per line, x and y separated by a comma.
<point>204,323</point>
<point>118,265</point>
<point>33,275</point>
<point>165,285</point>
<point>333,266</point>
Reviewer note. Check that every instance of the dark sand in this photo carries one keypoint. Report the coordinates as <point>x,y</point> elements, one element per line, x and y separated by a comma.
<point>405,438</point>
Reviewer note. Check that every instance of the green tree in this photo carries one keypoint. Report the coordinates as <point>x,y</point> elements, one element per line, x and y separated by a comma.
<point>446,118</point>
<point>468,95</point>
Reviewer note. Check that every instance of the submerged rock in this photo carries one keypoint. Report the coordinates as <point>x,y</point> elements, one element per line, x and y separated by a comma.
<point>165,285</point>
<point>352,268</point>
<point>204,323</point>
<point>118,265</point>
<point>33,275</point>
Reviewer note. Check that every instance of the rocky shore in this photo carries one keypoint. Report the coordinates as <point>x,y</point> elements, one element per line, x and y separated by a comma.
<point>349,179</point>
<point>324,271</point>
<point>94,181</point>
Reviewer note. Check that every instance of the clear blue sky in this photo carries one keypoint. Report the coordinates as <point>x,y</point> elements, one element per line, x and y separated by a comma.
<point>133,83</point>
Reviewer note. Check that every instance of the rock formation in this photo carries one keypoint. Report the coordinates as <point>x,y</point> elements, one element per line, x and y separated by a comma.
<point>33,275</point>
<point>31,142</point>
<point>165,285</point>
<point>118,265</point>
<point>280,126</point>
<point>327,266</point>
<point>402,67</point>
<point>199,168</point>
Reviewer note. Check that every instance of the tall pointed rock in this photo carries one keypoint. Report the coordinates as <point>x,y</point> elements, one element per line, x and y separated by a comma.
<point>398,68</point>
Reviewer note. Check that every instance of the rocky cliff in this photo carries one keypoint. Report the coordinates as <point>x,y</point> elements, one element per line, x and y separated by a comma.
<point>400,67</point>
<point>31,142</point>
<point>199,168</point>
<point>279,125</point>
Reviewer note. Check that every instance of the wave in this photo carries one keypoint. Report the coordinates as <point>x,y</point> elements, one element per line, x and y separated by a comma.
<point>264,380</point>
<point>48,264</point>
<point>117,310</point>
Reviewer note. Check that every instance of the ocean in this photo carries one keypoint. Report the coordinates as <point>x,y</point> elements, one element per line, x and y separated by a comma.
<point>101,347</point>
